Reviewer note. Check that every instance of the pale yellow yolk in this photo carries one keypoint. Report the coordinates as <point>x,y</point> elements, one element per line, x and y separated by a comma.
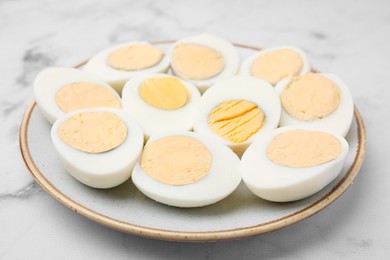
<point>303,148</point>
<point>93,132</point>
<point>135,57</point>
<point>311,96</point>
<point>85,95</point>
<point>176,160</point>
<point>197,62</point>
<point>276,65</point>
<point>236,120</point>
<point>164,93</point>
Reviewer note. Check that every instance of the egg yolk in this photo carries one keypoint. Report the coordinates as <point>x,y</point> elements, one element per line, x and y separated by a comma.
<point>197,62</point>
<point>236,121</point>
<point>176,160</point>
<point>85,95</point>
<point>276,65</point>
<point>311,96</point>
<point>135,57</point>
<point>303,148</point>
<point>166,93</point>
<point>93,132</point>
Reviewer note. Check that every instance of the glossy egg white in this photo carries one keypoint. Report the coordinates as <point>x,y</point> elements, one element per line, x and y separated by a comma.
<point>225,48</point>
<point>50,80</point>
<point>246,88</point>
<point>98,66</point>
<point>154,120</point>
<point>222,179</point>
<point>246,64</point>
<point>339,122</point>
<point>101,170</point>
<point>278,183</point>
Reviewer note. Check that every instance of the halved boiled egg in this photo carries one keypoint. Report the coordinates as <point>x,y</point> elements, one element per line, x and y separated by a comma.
<point>98,147</point>
<point>186,169</point>
<point>61,90</point>
<point>275,64</point>
<point>292,163</point>
<point>318,99</point>
<point>203,60</point>
<point>237,110</point>
<point>116,65</point>
<point>160,102</point>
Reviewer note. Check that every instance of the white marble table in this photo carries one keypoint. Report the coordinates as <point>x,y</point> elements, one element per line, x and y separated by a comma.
<point>349,38</point>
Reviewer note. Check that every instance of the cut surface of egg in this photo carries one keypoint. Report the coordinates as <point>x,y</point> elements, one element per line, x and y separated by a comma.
<point>98,147</point>
<point>116,65</point>
<point>186,169</point>
<point>61,90</point>
<point>318,99</point>
<point>204,59</point>
<point>292,163</point>
<point>160,102</point>
<point>235,111</point>
<point>275,64</point>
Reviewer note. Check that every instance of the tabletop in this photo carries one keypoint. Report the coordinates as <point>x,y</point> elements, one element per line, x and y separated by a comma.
<point>348,38</point>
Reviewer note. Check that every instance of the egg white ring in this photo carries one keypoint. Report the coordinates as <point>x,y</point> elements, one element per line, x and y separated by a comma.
<point>50,80</point>
<point>246,64</point>
<point>225,48</point>
<point>222,179</point>
<point>154,120</point>
<point>98,66</point>
<point>339,122</point>
<point>247,88</point>
<point>101,170</point>
<point>279,183</point>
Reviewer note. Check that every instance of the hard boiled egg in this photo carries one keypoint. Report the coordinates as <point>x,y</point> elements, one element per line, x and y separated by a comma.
<point>292,163</point>
<point>275,64</point>
<point>160,102</point>
<point>237,110</point>
<point>98,147</point>
<point>118,64</point>
<point>186,169</point>
<point>61,90</point>
<point>316,99</point>
<point>203,60</point>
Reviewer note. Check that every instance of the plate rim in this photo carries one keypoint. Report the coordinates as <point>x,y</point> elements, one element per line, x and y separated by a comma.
<point>192,236</point>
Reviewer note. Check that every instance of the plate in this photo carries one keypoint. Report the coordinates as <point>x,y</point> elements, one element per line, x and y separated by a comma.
<point>126,209</point>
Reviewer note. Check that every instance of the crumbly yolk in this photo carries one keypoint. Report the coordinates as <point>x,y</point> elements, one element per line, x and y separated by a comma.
<point>197,62</point>
<point>176,160</point>
<point>303,148</point>
<point>135,57</point>
<point>236,120</point>
<point>85,95</point>
<point>166,93</point>
<point>276,65</point>
<point>93,132</point>
<point>310,96</point>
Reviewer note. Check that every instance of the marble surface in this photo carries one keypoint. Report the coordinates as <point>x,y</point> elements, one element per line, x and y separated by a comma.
<point>349,38</point>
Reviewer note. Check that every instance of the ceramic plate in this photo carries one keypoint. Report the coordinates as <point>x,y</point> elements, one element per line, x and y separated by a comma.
<point>126,209</point>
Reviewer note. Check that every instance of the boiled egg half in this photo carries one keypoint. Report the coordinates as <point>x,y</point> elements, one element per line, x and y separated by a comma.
<point>292,163</point>
<point>98,147</point>
<point>186,169</point>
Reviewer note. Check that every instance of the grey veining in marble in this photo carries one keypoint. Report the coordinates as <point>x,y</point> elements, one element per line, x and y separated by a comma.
<point>349,38</point>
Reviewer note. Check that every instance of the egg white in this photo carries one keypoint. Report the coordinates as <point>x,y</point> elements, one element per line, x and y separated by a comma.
<point>278,183</point>
<point>246,88</point>
<point>50,80</point>
<point>154,120</point>
<point>101,170</point>
<point>339,122</point>
<point>246,64</point>
<point>225,48</point>
<point>222,179</point>
<point>98,66</point>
